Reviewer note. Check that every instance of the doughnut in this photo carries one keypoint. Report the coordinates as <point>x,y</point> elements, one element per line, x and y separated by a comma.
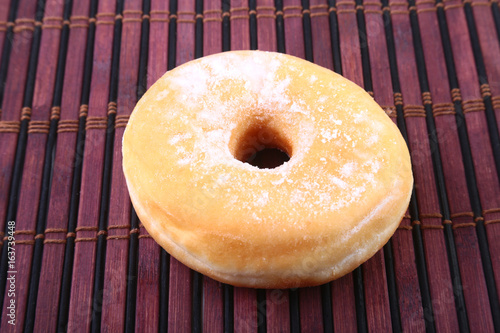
<point>330,201</point>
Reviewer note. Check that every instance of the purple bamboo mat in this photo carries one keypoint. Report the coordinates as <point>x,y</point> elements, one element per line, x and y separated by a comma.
<point>75,257</point>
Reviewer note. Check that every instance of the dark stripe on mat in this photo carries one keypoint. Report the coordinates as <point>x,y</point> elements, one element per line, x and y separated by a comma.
<point>252,6</point>
<point>280,28</point>
<point>294,310</point>
<point>306,25</point>
<point>392,288</point>
<point>226,26</point>
<point>7,46</point>
<point>334,36</point>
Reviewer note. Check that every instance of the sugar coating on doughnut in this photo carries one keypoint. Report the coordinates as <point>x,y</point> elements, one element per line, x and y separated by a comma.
<point>312,219</point>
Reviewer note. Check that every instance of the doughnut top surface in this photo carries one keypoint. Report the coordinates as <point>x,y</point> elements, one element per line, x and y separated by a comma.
<point>314,218</point>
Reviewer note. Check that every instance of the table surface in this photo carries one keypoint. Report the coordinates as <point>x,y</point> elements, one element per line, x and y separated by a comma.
<point>71,73</point>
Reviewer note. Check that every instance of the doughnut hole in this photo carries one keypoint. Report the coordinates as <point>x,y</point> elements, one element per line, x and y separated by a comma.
<point>261,143</point>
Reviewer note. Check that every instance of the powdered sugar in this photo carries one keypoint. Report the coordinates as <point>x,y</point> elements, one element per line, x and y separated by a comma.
<point>263,199</point>
<point>328,134</point>
<point>179,137</point>
<point>348,169</point>
<point>339,182</point>
<point>216,112</point>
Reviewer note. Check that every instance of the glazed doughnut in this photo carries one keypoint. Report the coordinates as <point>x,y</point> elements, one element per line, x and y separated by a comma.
<point>330,207</point>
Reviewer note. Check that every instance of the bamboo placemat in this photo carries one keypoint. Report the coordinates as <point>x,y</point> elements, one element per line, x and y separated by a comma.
<point>71,73</point>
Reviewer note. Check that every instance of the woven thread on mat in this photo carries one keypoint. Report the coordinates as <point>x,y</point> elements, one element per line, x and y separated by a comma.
<point>319,10</point>
<point>463,214</point>
<point>118,237</point>
<point>389,110</point>
<point>84,110</point>
<point>121,121</point>
<point>39,126</point>
<point>441,109</point>
<point>96,123</point>
<point>243,15</point>
<point>485,90</point>
<point>491,210</point>
<point>85,228</point>
<point>186,17</point>
<point>55,112</point>
<point>55,231</point>
<point>492,221</point>
<point>3,26</point>
<point>119,226</point>
<point>398,99</point>
<point>292,11</point>
<point>464,225</point>
<point>487,4</point>
<point>344,7</point>
<point>54,241</point>
<point>456,96</point>
<point>495,100</point>
<point>106,18</point>
<point>86,239</point>
<point>130,15</point>
<point>23,241</point>
<point>25,232</point>
<point>431,215</point>
<point>413,111</point>
<point>22,24</point>
<point>67,126</point>
<point>111,108</point>
<point>403,11</point>
<point>159,16</point>
<point>122,226</point>
<point>427,226</point>
<point>428,9</point>
<point>9,126</point>
<point>215,15</point>
<point>473,105</point>
<point>426,98</point>
<point>378,6</point>
<point>405,227</point>
<point>265,12</point>
<point>26,113</point>
<point>52,22</point>
<point>79,22</point>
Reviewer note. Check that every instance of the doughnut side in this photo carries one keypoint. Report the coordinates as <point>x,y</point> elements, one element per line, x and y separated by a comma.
<point>353,253</point>
<point>318,216</point>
